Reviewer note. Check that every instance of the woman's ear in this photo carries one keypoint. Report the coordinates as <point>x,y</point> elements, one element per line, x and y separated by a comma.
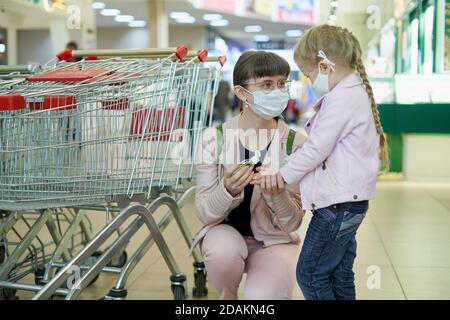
<point>240,93</point>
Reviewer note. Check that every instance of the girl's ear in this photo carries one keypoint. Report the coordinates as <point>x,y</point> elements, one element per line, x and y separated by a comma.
<point>325,68</point>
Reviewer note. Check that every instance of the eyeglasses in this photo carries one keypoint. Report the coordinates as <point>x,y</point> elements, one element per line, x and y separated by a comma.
<point>268,86</point>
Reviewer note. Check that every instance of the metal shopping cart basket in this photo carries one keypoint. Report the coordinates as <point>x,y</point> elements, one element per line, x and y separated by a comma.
<point>109,134</point>
<point>23,250</point>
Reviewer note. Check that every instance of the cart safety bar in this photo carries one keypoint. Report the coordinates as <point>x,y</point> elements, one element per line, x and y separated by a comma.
<point>20,68</point>
<point>180,52</point>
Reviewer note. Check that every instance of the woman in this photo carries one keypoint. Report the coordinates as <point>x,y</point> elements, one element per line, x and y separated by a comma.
<point>250,229</point>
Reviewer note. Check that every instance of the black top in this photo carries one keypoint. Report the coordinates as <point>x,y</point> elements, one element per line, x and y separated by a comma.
<point>240,217</point>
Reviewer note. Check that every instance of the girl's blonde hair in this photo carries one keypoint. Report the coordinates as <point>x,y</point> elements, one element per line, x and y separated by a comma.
<point>341,47</point>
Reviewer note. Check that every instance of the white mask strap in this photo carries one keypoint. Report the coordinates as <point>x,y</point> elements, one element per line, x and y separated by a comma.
<point>326,60</point>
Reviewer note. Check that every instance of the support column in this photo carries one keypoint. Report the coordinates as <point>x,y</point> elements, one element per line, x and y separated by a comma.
<point>158,24</point>
<point>11,38</point>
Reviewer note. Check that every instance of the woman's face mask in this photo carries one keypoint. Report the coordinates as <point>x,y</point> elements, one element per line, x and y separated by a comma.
<point>271,101</point>
<point>269,105</point>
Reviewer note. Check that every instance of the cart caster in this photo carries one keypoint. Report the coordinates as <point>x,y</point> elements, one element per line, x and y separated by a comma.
<point>178,290</point>
<point>39,276</point>
<point>116,294</point>
<point>200,289</point>
<point>119,261</point>
<point>178,293</point>
<point>8,294</point>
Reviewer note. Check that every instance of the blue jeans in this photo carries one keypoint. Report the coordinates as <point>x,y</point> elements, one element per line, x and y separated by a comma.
<point>325,266</point>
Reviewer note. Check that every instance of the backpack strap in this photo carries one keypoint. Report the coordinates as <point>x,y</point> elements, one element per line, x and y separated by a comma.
<point>219,140</point>
<point>290,141</point>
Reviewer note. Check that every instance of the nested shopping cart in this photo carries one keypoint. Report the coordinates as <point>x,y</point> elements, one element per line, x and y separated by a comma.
<point>108,134</point>
<point>21,230</point>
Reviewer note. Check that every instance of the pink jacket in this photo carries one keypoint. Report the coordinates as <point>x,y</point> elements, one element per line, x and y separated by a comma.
<point>339,161</point>
<point>274,219</point>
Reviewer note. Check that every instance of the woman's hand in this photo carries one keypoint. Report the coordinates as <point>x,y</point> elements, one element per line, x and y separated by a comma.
<point>269,180</point>
<point>235,183</point>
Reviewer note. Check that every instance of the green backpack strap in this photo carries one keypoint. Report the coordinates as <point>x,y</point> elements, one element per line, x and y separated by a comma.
<point>219,140</point>
<point>290,141</point>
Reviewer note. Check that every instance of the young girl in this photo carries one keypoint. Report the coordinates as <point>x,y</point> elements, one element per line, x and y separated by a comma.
<point>250,229</point>
<point>338,165</point>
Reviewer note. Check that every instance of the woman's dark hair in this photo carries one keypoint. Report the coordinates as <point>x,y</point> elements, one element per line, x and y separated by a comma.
<point>258,64</point>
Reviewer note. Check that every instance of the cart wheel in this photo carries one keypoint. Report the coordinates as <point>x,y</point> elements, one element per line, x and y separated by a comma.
<point>178,292</point>
<point>116,294</point>
<point>39,275</point>
<point>119,261</point>
<point>8,294</point>
<point>200,289</point>
<point>177,285</point>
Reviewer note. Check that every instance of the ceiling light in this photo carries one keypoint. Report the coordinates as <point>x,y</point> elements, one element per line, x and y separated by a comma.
<point>212,16</point>
<point>295,33</point>
<point>98,6</point>
<point>110,12</point>
<point>334,4</point>
<point>2,48</point>
<point>252,29</point>
<point>261,38</point>
<point>219,23</point>
<point>179,14</point>
<point>188,19</point>
<point>137,24</point>
<point>124,18</point>
<point>332,17</point>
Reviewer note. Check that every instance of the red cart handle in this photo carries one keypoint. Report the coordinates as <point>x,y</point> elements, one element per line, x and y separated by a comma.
<point>67,55</point>
<point>222,60</point>
<point>202,55</point>
<point>181,52</point>
<point>64,55</point>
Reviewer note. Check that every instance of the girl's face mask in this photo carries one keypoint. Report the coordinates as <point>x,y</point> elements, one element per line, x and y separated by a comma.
<point>321,85</point>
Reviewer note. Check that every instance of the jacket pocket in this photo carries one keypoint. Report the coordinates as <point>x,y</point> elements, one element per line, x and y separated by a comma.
<point>329,172</point>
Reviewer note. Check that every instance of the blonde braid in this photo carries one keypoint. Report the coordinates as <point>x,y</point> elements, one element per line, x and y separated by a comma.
<point>357,61</point>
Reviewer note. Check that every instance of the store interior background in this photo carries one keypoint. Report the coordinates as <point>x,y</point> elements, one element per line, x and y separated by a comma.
<point>406,46</point>
<point>405,43</point>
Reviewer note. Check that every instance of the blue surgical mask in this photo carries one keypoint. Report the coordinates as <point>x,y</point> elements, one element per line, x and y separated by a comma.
<point>321,85</point>
<point>269,105</point>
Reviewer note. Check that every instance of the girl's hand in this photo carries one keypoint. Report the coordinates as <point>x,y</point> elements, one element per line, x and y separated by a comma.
<point>235,183</point>
<point>270,181</point>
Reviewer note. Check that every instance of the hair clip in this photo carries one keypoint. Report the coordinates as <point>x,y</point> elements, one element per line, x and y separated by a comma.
<point>326,60</point>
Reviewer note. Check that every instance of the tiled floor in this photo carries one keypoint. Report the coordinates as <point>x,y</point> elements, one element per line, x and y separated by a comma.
<point>406,236</point>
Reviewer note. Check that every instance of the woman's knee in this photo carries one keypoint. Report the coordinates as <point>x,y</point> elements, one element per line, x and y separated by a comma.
<point>224,246</point>
<point>268,293</point>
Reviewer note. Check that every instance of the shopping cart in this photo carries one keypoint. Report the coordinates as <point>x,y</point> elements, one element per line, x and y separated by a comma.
<point>108,134</point>
<point>24,248</point>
